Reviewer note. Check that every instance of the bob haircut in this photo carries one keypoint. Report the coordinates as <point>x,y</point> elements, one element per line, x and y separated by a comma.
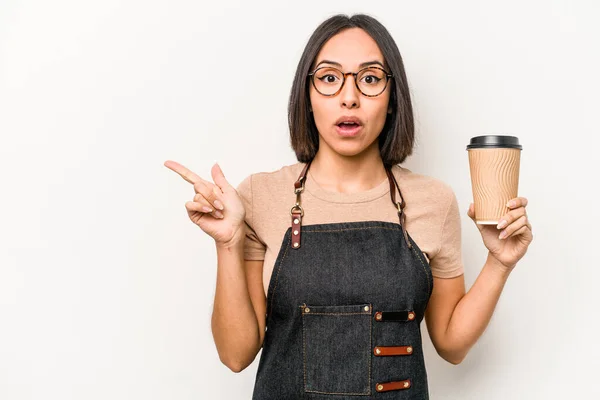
<point>396,139</point>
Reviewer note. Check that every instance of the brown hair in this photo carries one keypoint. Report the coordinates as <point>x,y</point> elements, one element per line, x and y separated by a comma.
<point>397,136</point>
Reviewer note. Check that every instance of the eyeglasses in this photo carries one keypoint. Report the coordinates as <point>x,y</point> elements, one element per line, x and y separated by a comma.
<point>370,81</point>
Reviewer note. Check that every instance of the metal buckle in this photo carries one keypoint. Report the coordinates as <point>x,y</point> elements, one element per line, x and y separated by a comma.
<point>297,207</point>
<point>400,207</point>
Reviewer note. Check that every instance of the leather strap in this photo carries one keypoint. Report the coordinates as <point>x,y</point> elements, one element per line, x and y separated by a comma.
<point>402,316</point>
<point>296,229</point>
<point>399,204</point>
<point>299,183</point>
<point>297,212</point>
<point>382,351</point>
<point>397,385</point>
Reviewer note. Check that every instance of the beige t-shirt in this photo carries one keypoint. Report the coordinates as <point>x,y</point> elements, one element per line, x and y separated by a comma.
<point>432,214</point>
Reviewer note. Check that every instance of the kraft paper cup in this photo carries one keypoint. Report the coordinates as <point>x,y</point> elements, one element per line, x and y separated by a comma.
<point>494,162</point>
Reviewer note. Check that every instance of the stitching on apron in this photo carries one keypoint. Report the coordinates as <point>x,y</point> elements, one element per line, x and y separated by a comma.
<point>304,354</point>
<point>350,229</point>
<point>370,342</point>
<point>304,348</point>
<point>424,269</point>
<point>370,346</point>
<point>277,277</point>
<point>355,394</point>
<point>352,394</point>
<point>340,313</point>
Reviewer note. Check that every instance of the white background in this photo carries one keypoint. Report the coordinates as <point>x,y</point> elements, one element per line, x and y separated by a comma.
<point>106,287</point>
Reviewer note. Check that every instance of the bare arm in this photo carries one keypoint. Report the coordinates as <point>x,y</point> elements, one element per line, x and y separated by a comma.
<point>456,320</point>
<point>238,319</point>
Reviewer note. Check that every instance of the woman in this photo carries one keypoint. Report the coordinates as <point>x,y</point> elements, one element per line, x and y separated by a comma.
<point>331,269</point>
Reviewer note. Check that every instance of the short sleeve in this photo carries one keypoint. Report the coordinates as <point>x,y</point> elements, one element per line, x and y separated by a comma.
<point>254,248</point>
<point>448,263</point>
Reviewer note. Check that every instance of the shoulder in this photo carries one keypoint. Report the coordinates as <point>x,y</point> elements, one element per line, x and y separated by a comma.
<point>272,183</point>
<point>433,220</point>
<point>431,205</point>
<point>279,177</point>
<point>423,189</point>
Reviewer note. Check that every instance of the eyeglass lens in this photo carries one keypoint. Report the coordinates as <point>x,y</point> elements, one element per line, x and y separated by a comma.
<point>370,81</point>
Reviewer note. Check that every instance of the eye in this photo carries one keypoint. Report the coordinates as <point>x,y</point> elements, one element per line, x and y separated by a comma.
<point>371,76</point>
<point>371,79</point>
<point>328,78</point>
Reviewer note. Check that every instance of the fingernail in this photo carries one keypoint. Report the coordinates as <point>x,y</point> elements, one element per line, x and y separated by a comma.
<point>502,235</point>
<point>218,214</point>
<point>207,209</point>
<point>502,224</point>
<point>218,204</point>
<point>511,204</point>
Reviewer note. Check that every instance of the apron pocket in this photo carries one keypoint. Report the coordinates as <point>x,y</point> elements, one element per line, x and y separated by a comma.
<point>337,349</point>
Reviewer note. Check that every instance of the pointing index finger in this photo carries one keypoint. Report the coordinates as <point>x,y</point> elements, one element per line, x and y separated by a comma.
<point>182,171</point>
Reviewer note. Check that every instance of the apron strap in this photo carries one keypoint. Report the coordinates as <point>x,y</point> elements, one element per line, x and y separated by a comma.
<point>297,212</point>
<point>399,204</point>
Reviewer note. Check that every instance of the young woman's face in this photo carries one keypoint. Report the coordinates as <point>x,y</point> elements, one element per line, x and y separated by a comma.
<point>349,51</point>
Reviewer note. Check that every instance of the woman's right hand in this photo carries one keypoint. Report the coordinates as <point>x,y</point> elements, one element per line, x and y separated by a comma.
<point>217,207</point>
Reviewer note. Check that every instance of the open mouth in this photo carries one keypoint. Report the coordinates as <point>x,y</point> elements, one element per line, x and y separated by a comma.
<point>348,125</point>
<point>348,128</point>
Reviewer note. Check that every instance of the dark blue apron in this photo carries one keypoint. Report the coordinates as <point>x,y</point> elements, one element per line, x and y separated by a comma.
<point>344,308</point>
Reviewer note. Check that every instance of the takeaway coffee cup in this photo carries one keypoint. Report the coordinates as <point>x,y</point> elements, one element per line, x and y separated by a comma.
<point>494,162</point>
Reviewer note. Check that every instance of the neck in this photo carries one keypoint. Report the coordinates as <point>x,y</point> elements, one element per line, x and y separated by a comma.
<point>335,172</point>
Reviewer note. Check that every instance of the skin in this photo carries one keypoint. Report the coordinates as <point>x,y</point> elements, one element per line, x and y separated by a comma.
<point>455,318</point>
<point>349,164</point>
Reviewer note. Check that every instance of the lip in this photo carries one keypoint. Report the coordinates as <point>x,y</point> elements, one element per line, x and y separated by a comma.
<point>349,118</point>
<point>348,132</point>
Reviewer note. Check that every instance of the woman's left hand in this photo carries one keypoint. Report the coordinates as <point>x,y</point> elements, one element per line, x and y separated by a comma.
<point>509,240</point>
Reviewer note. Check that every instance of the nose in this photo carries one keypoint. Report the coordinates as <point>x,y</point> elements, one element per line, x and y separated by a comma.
<point>349,95</point>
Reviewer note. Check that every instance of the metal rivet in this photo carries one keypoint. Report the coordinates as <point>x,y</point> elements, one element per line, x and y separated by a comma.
<point>366,308</point>
<point>411,316</point>
<point>296,220</point>
<point>379,387</point>
<point>377,350</point>
<point>307,309</point>
<point>378,316</point>
<point>296,244</point>
<point>295,232</point>
<point>405,384</point>
<point>409,349</point>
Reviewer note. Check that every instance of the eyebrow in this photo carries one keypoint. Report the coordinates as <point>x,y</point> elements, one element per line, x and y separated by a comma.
<point>365,64</point>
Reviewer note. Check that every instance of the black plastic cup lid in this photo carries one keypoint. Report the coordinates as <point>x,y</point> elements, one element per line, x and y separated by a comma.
<point>494,141</point>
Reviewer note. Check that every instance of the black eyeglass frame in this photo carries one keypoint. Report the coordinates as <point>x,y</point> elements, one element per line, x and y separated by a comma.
<point>388,77</point>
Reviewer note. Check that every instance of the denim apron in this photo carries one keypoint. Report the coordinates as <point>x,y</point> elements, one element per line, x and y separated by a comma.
<point>344,308</point>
